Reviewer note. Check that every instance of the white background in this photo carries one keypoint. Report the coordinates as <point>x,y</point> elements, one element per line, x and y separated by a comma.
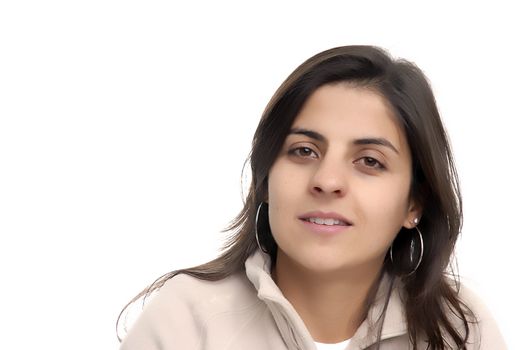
<point>125,124</point>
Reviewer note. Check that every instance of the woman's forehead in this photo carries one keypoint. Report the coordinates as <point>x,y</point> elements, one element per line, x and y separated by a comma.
<point>343,112</point>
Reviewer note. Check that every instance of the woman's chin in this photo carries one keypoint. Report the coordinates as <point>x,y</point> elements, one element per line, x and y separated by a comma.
<point>325,262</point>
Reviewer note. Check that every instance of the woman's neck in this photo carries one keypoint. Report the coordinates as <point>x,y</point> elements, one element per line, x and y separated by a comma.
<point>332,305</point>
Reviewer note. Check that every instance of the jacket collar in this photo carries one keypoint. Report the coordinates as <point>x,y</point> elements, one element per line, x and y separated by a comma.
<point>291,326</point>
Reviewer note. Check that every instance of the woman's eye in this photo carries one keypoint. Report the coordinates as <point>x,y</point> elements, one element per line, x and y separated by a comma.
<point>304,152</point>
<point>371,163</point>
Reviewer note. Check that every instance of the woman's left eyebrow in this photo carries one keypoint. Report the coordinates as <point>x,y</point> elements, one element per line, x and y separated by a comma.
<point>309,133</point>
<point>380,141</point>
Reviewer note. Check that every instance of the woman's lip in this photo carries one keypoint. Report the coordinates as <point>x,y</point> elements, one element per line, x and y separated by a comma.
<point>324,215</point>
<point>324,229</point>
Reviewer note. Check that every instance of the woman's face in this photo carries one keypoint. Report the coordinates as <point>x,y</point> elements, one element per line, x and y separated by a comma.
<point>345,158</point>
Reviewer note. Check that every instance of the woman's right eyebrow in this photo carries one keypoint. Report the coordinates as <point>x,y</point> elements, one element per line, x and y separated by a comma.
<point>309,133</point>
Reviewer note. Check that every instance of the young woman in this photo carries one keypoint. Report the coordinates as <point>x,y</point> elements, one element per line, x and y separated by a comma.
<point>347,233</point>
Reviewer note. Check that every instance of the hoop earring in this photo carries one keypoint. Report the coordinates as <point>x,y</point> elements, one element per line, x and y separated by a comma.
<point>256,229</point>
<point>420,256</point>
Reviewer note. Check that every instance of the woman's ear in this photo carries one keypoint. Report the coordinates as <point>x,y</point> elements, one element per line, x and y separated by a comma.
<point>413,216</point>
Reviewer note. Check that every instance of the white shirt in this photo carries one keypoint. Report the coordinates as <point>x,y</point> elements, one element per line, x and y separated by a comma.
<point>338,346</point>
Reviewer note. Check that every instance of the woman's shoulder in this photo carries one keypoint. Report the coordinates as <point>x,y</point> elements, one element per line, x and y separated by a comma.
<point>235,289</point>
<point>484,331</point>
<point>185,306</point>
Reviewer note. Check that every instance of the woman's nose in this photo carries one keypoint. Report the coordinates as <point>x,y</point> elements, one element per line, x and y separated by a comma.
<point>330,178</point>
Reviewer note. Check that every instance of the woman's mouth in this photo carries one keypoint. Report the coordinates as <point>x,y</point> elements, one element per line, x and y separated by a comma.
<point>326,221</point>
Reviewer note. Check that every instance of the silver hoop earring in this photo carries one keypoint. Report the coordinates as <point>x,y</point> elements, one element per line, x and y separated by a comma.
<point>412,247</point>
<point>256,229</point>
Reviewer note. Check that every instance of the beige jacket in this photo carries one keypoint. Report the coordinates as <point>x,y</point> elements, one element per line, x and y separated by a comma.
<point>249,312</point>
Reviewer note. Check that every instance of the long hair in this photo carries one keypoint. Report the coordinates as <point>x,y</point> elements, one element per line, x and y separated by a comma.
<point>430,296</point>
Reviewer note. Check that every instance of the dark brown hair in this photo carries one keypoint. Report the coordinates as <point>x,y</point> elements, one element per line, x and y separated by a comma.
<point>430,296</point>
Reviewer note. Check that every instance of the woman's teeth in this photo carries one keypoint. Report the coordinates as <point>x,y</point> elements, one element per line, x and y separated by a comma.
<point>328,222</point>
